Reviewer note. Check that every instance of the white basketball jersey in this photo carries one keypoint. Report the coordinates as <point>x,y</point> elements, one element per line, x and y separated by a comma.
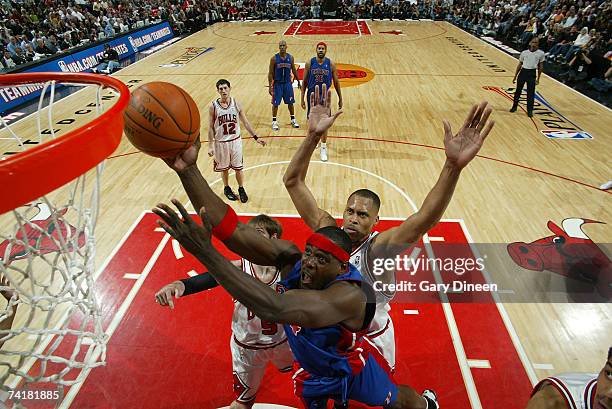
<point>577,389</point>
<point>359,258</point>
<point>227,121</point>
<point>249,329</point>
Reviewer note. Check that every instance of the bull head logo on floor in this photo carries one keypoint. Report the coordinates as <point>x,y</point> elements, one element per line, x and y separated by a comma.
<point>44,233</point>
<point>570,253</point>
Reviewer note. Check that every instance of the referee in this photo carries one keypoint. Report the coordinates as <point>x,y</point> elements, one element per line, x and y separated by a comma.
<point>529,61</point>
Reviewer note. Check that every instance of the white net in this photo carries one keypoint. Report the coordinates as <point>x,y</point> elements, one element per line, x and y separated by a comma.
<point>50,322</point>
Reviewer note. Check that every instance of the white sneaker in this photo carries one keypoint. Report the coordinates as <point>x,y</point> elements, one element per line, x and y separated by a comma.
<point>606,186</point>
<point>324,153</point>
<point>294,123</point>
<point>275,126</point>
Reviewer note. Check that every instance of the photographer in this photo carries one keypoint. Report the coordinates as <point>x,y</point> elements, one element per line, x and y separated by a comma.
<point>578,68</point>
<point>110,61</point>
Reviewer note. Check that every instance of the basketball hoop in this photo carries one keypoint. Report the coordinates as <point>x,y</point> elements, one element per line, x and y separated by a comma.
<point>48,215</point>
<point>39,170</point>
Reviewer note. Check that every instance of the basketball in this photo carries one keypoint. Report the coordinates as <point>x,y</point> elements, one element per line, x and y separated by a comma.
<point>161,120</point>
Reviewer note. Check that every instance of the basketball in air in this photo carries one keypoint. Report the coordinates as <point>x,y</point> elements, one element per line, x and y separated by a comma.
<point>162,120</point>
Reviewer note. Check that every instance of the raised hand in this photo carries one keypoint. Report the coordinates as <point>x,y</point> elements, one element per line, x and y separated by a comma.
<point>186,158</point>
<point>188,233</point>
<point>164,296</point>
<point>462,147</point>
<point>320,118</point>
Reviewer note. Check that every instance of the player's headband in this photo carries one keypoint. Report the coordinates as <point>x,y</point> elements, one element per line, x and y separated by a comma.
<point>322,43</point>
<point>325,244</point>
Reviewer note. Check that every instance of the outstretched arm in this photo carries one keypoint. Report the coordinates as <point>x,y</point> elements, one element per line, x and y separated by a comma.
<point>246,122</point>
<point>245,240</point>
<point>305,84</point>
<point>308,308</point>
<point>460,150</point>
<point>187,286</point>
<point>304,201</point>
<point>271,75</point>
<point>295,73</point>
<point>337,85</point>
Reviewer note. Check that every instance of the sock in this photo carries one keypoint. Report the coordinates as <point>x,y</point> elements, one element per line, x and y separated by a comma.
<point>273,119</point>
<point>292,117</point>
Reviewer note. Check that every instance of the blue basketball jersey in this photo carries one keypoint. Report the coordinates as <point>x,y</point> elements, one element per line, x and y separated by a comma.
<point>282,68</point>
<point>332,351</point>
<point>319,74</point>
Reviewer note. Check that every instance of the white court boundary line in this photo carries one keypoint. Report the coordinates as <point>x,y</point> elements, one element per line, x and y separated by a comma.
<point>127,302</point>
<point>448,313</point>
<point>529,368</point>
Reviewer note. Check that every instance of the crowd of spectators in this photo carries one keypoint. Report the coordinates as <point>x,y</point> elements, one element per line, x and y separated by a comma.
<point>575,34</point>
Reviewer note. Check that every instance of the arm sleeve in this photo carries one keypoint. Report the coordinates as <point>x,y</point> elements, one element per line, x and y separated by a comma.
<point>201,282</point>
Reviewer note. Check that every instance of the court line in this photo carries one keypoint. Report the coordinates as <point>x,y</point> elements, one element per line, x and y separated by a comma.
<point>297,29</point>
<point>400,142</point>
<point>263,73</point>
<point>462,360</point>
<point>110,330</point>
<point>444,31</point>
<point>518,346</point>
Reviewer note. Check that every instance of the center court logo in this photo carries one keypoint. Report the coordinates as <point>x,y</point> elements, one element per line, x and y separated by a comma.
<point>553,124</point>
<point>189,55</point>
<point>349,75</point>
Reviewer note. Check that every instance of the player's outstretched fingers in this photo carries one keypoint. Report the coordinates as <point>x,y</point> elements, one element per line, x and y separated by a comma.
<point>485,132</point>
<point>470,117</point>
<point>205,220</point>
<point>485,117</point>
<point>186,218</point>
<point>478,115</point>
<point>448,132</point>
<point>328,100</point>
<point>324,95</point>
<point>312,99</point>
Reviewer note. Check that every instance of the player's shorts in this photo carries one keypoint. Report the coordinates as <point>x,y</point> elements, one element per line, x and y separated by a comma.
<point>228,155</point>
<point>382,334</point>
<point>373,386</point>
<point>249,365</point>
<point>283,91</point>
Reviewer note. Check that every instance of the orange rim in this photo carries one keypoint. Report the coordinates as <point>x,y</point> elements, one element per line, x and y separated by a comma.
<point>35,172</point>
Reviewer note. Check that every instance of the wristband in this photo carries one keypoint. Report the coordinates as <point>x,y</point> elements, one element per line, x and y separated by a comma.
<point>228,224</point>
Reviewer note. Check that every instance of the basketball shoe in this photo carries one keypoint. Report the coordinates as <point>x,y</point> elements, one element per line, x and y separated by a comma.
<point>243,196</point>
<point>294,123</point>
<point>229,193</point>
<point>275,126</point>
<point>431,398</point>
